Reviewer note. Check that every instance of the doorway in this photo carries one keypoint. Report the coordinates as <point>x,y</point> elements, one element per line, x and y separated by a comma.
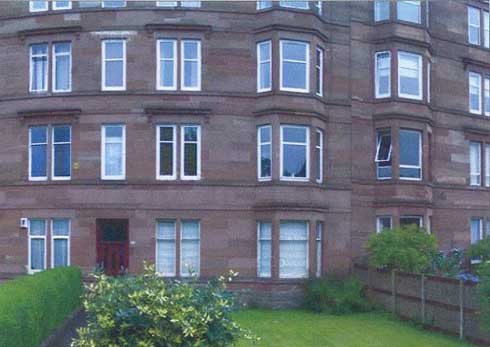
<point>113,245</point>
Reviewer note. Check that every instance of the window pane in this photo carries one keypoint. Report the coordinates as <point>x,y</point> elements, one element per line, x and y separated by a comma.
<point>264,72</point>
<point>293,250</point>
<point>60,256</point>
<point>190,133</point>
<point>294,51</point>
<point>265,161</point>
<point>384,147</point>
<point>166,159</point>
<point>61,227</point>
<point>383,223</point>
<point>113,159</point>
<point>38,161</point>
<point>475,163</point>
<point>85,4</point>
<point>190,159</point>
<point>474,25</point>
<point>113,133</point>
<point>409,11</point>
<point>39,5</point>
<point>166,247</point>
<point>487,96</point>
<point>265,249</point>
<point>62,4</point>
<point>191,3</point>
<point>404,221</point>
<point>295,4</point>
<point>409,74</point>
<point>383,74</point>
<point>114,49</point>
<point>114,3</point>
<point>167,3</point>
<point>294,134</point>
<point>62,160</point>
<point>486,26</point>
<point>410,151</point>
<point>294,161</point>
<point>381,10</point>
<point>62,70</point>
<point>39,135</point>
<point>37,254</point>
<point>191,70</point>
<point>39,66</point>
<point>114,74</point>
<point>190,50</point>
<point>263,4</point>
<point>190,248</point>
<point>37,227</point>
<point>476,227</point>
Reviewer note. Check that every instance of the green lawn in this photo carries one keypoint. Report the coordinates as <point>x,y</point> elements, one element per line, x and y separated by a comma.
<point>303,329</point>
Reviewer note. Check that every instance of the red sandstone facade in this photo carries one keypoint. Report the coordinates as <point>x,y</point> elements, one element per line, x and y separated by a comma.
<point>228,199</point>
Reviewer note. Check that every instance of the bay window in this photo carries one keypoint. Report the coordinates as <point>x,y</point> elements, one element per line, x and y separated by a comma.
<point>474,25</point>
<point>190,248</point>
<point>166,64</point>
<point>294,153</point>
<point>383,74</point>
<point>38,154</point>
<point>61,152</point>
<point>113,163</point>
<point>38,68</point>
<point>60,242</point>
<point>475,100</point>
<point>294,69</point>
<point>383,154</point>
<point>410,155</point>
<point>166,248</point>
<point>475,163</point>
<point>62,67</point>
<point>37,245</point>
<point>166,152</point>
<point>381,10</point>
<point>191,65</point>
<point>190,152</point>
<point>293,249</point>
<point>114,65</point>
<point>264,249</point>
<point>264,66</point>
<point>264,152</point>
<point>410,75</point>
<point>409,11</point>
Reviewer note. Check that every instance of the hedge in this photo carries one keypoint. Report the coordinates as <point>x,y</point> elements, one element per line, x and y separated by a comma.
<point>32,307</point>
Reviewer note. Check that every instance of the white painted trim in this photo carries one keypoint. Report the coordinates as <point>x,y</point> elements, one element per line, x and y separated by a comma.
<point>68,238</point>
<point>307,63</point>
<point>420,84</point>
<point>159,65</point>
<point>281,154</point>
<point>182,65</point>
<point>38,178</point>
<point>182,153</point>
<point>260,62</point>
<point>319,68</point>
<point>123,164</point>
<point>173,176</point>
<point>166,274</point>
<point>53,177</point>
<point>53,72</point>
<point>259,152</point>
<point>104,61</point>
<point>31,70</point>
<point>376,76</point>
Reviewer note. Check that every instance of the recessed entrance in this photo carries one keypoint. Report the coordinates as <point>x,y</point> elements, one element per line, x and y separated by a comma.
<point>113,245</point>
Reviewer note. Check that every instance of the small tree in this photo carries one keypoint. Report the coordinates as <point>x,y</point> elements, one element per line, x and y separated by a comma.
<point>146,311</point>
<point>408,248</point>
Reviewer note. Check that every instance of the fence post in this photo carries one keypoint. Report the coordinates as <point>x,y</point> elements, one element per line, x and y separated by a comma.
<point>368,281</point>
<point>461,309</point>
<point>393,290</point>
<point>422,295</point>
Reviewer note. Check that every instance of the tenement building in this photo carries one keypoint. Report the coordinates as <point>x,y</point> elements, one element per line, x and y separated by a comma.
<point>271,138</point>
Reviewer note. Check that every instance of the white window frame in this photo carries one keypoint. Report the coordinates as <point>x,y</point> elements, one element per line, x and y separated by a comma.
<point>402,166</point>
<point>56,6</point>
<point>420,93</point>
<point>123,154</point>
<point>259,253</point>
<point>166,274</point>
<point>287,5</point>
<point>259,64</point>
<point>378,3</point>
<point>261,143</point>
<point>379,134</point>
<point>307,63</point>
<point>420,218</point>
<point>105,6</point>
<point>55,62</point>
<point>31,68</point>
<point>39,237</point>
<point>173,176</point>
<point>182,153</point>
<point>289,276</point>
<point>182,65</point>
<point>486,96</point>
<point>319,148</point>
<point>379,225</point>
<point>479,78</point>
<point>319,70</point>
<point>476,174</point>
<point>38,178</point>
<point>61,237</point>
<point>429,66</point>
<point>159,65</point>
<point>32,9</point>
<point>412,3</point>
<point>477,26</point>
<point>307,145</point>
<point>104,61</point>
<point>198,270</point>
<point>377,75</point>
<point>53,159</point>
<point>319,248</point>
<point>318,5</point>
<point>486,29</point>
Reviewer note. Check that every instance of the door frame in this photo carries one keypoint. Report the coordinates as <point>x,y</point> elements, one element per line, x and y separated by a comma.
<point>98,223</point>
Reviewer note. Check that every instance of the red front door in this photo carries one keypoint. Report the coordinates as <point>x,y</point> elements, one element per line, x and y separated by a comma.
<point>112,245</point>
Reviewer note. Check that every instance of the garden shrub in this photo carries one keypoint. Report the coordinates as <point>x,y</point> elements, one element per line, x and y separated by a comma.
<point>33,307</point>
<point>146,311</point>
<point>448,264</point>
<point>408,249</point>
<point>481,250</point>
<point>336,296</point>
<point>484,295</point>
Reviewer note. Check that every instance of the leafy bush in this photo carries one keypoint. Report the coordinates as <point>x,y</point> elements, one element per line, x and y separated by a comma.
<point>409,249</point>
<point>335,296</point>
<point>448,264</point>
<point>484,295</point>
<point>146,311</point>
<point>32,307</point>
<point>481,250</point>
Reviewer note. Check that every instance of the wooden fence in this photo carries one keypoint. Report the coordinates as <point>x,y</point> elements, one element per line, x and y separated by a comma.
<point>444,304</point>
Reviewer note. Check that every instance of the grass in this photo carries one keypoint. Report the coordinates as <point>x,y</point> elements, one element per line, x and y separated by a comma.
<point>295,328</point>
